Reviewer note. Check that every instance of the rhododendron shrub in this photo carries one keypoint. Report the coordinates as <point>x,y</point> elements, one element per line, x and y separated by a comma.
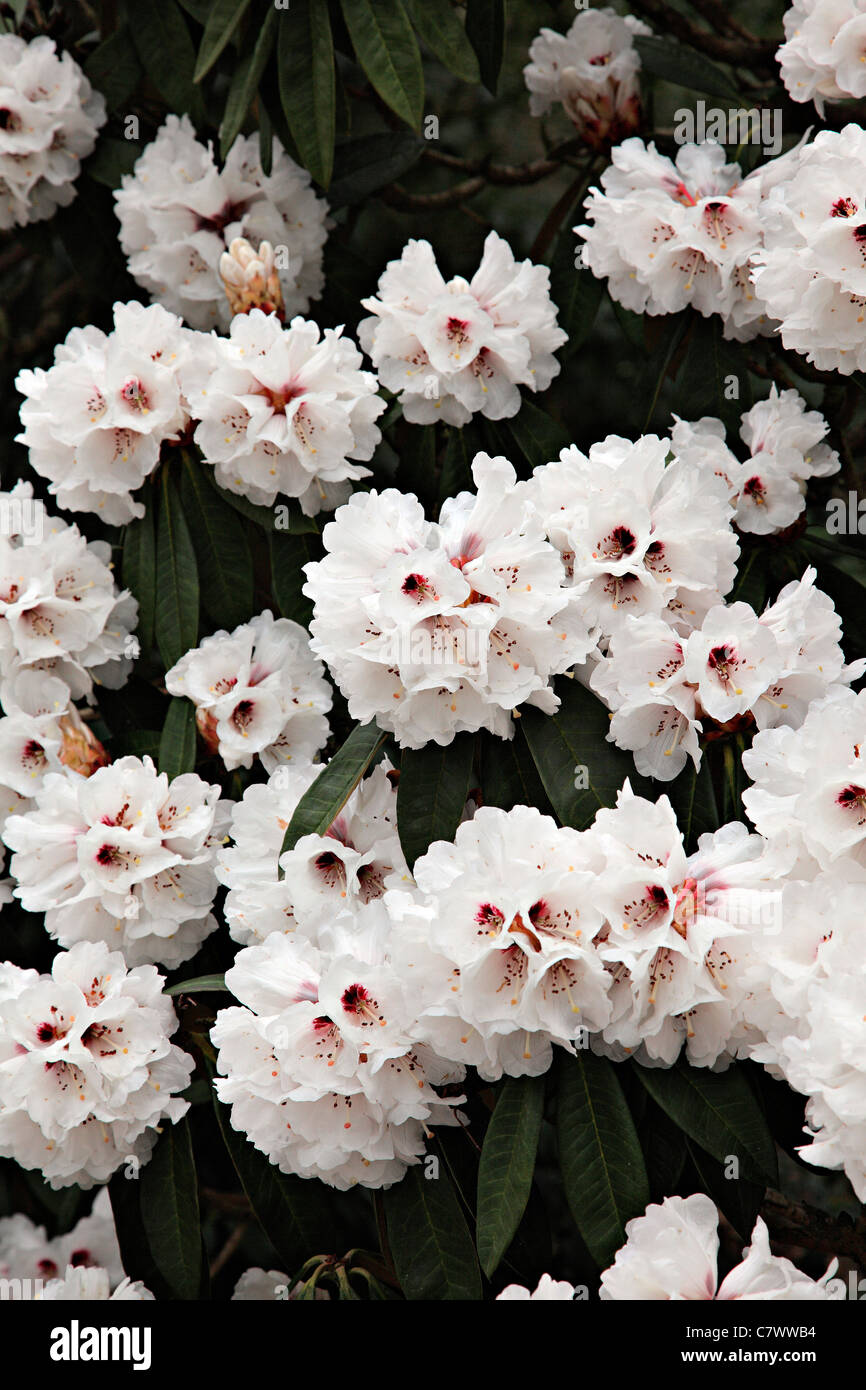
<point>432,652</point>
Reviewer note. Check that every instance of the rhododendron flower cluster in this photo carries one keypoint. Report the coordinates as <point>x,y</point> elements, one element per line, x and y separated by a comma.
<point>124,857</point>
<point>810,268</point>
<point>637,534</point>
<point>285,410</point>
<point>257,691</point>
<point>87,1071</point>
<point>786,447</point>
<point>95,422</point>
<point>346,869</point>
<point>821,59</point>
<point>320,1067</point>
<point>667,234</point>
<point>735,668</point>
<point>592,70</point>
<point>61,612</point>
<point>454,348</point>
<point>434,627</point>
<point>51,117</point>
<point>179,213</point>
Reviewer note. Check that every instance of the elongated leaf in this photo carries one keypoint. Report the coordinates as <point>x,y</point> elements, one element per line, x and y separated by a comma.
<point>167,54</point>
<point>177,743</point>
<point>461,446</point>
<point>139,567</point>
<point>580,770</point>
<point>387,50</point>
<point>600,1156</point>
<point>369,162</point>
<point>509,777</point>
<point>225,562</point>
<point>577,293</point>
<point>135,1252</point>
<point>718,1110</point>
<point>224,16</point>
<point>507,1165</point>
<point>431,794</point>
<point>289,554</point>
<point>692,796</point>
<point>111,160</point>
<point>740,1200</point>
<point>176,616</point>
<point>169,1211</point>
<point>430,1242</point>
<point>538,437</point>
<point>114,68</point>
<point>202,984</point>
<point>305,54</point>
<point>714,377</point>
<point>684,67</point>
<point>441,30</point>
<point>294,1213</point>
<point>485,30</point>
<point>334,785</point>
<point>245,83</point>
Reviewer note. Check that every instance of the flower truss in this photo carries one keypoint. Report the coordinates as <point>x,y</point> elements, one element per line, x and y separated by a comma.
<point>821,59</point>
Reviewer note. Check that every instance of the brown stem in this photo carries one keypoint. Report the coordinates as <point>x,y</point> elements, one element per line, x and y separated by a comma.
<point>751,52</point>
<point>221,1260</point>
<point>797,1223</point>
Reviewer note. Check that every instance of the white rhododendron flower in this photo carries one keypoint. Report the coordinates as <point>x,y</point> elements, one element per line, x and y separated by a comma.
<point>500,942</point>
<point>786,448</point>
<point>548,1291</point>
<point>51,116</point>
<point>677,928</point>
<point>435,627</point>
<point>592,70</point>
<point>671,1253</point>
<point>811,270</point>
<point>821,59</point>
<point>179,213</point>
<point>668,234</point>
<point>810,782</point>
<point>60,611</point>
<point>347,869</point>
<point>635,532</point>
<point>257,691</point>
<point>321,1066</point>
<point>87,1071</point>
<point>451,349</point>
<point>285,410</point>
<point>124,857</point>
<point>95,421</point>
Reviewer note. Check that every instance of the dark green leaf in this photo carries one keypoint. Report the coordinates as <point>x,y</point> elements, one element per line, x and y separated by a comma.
<point>169,1211</point>
<point>176,616</point>
<point>225,562</point>
<point>369,162</point>
<point>461,446</point>
<point>659,364</point>
<point>305,52</point>
<point>431,794</point>
<point>334,785</point>
<point>289,554</point>
<point>245,84</point>
<point>266,140</point>
<point>293,1212</point>
<point>139,567</point>
<point>429,1238</point>
<point>224,16</point>
<point>738,1199</point>
<point>719,1111</point>
<point>441,30</point>
<point>202,984</point>
<point>387,50</point>
<point>485,30</point>
<point>114,68</point>
<point>714,377</point>
<point>694,801</point>
<point>577,293</point>
<point>509,777</point>
<point>569,748</point>
<point>177,744</point>
<point>538,437</point>
<point>507,1165</point>
<point>111,160</point>
<point>600,1157</point>
<point>664,57</point>
<point>167,54</point>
